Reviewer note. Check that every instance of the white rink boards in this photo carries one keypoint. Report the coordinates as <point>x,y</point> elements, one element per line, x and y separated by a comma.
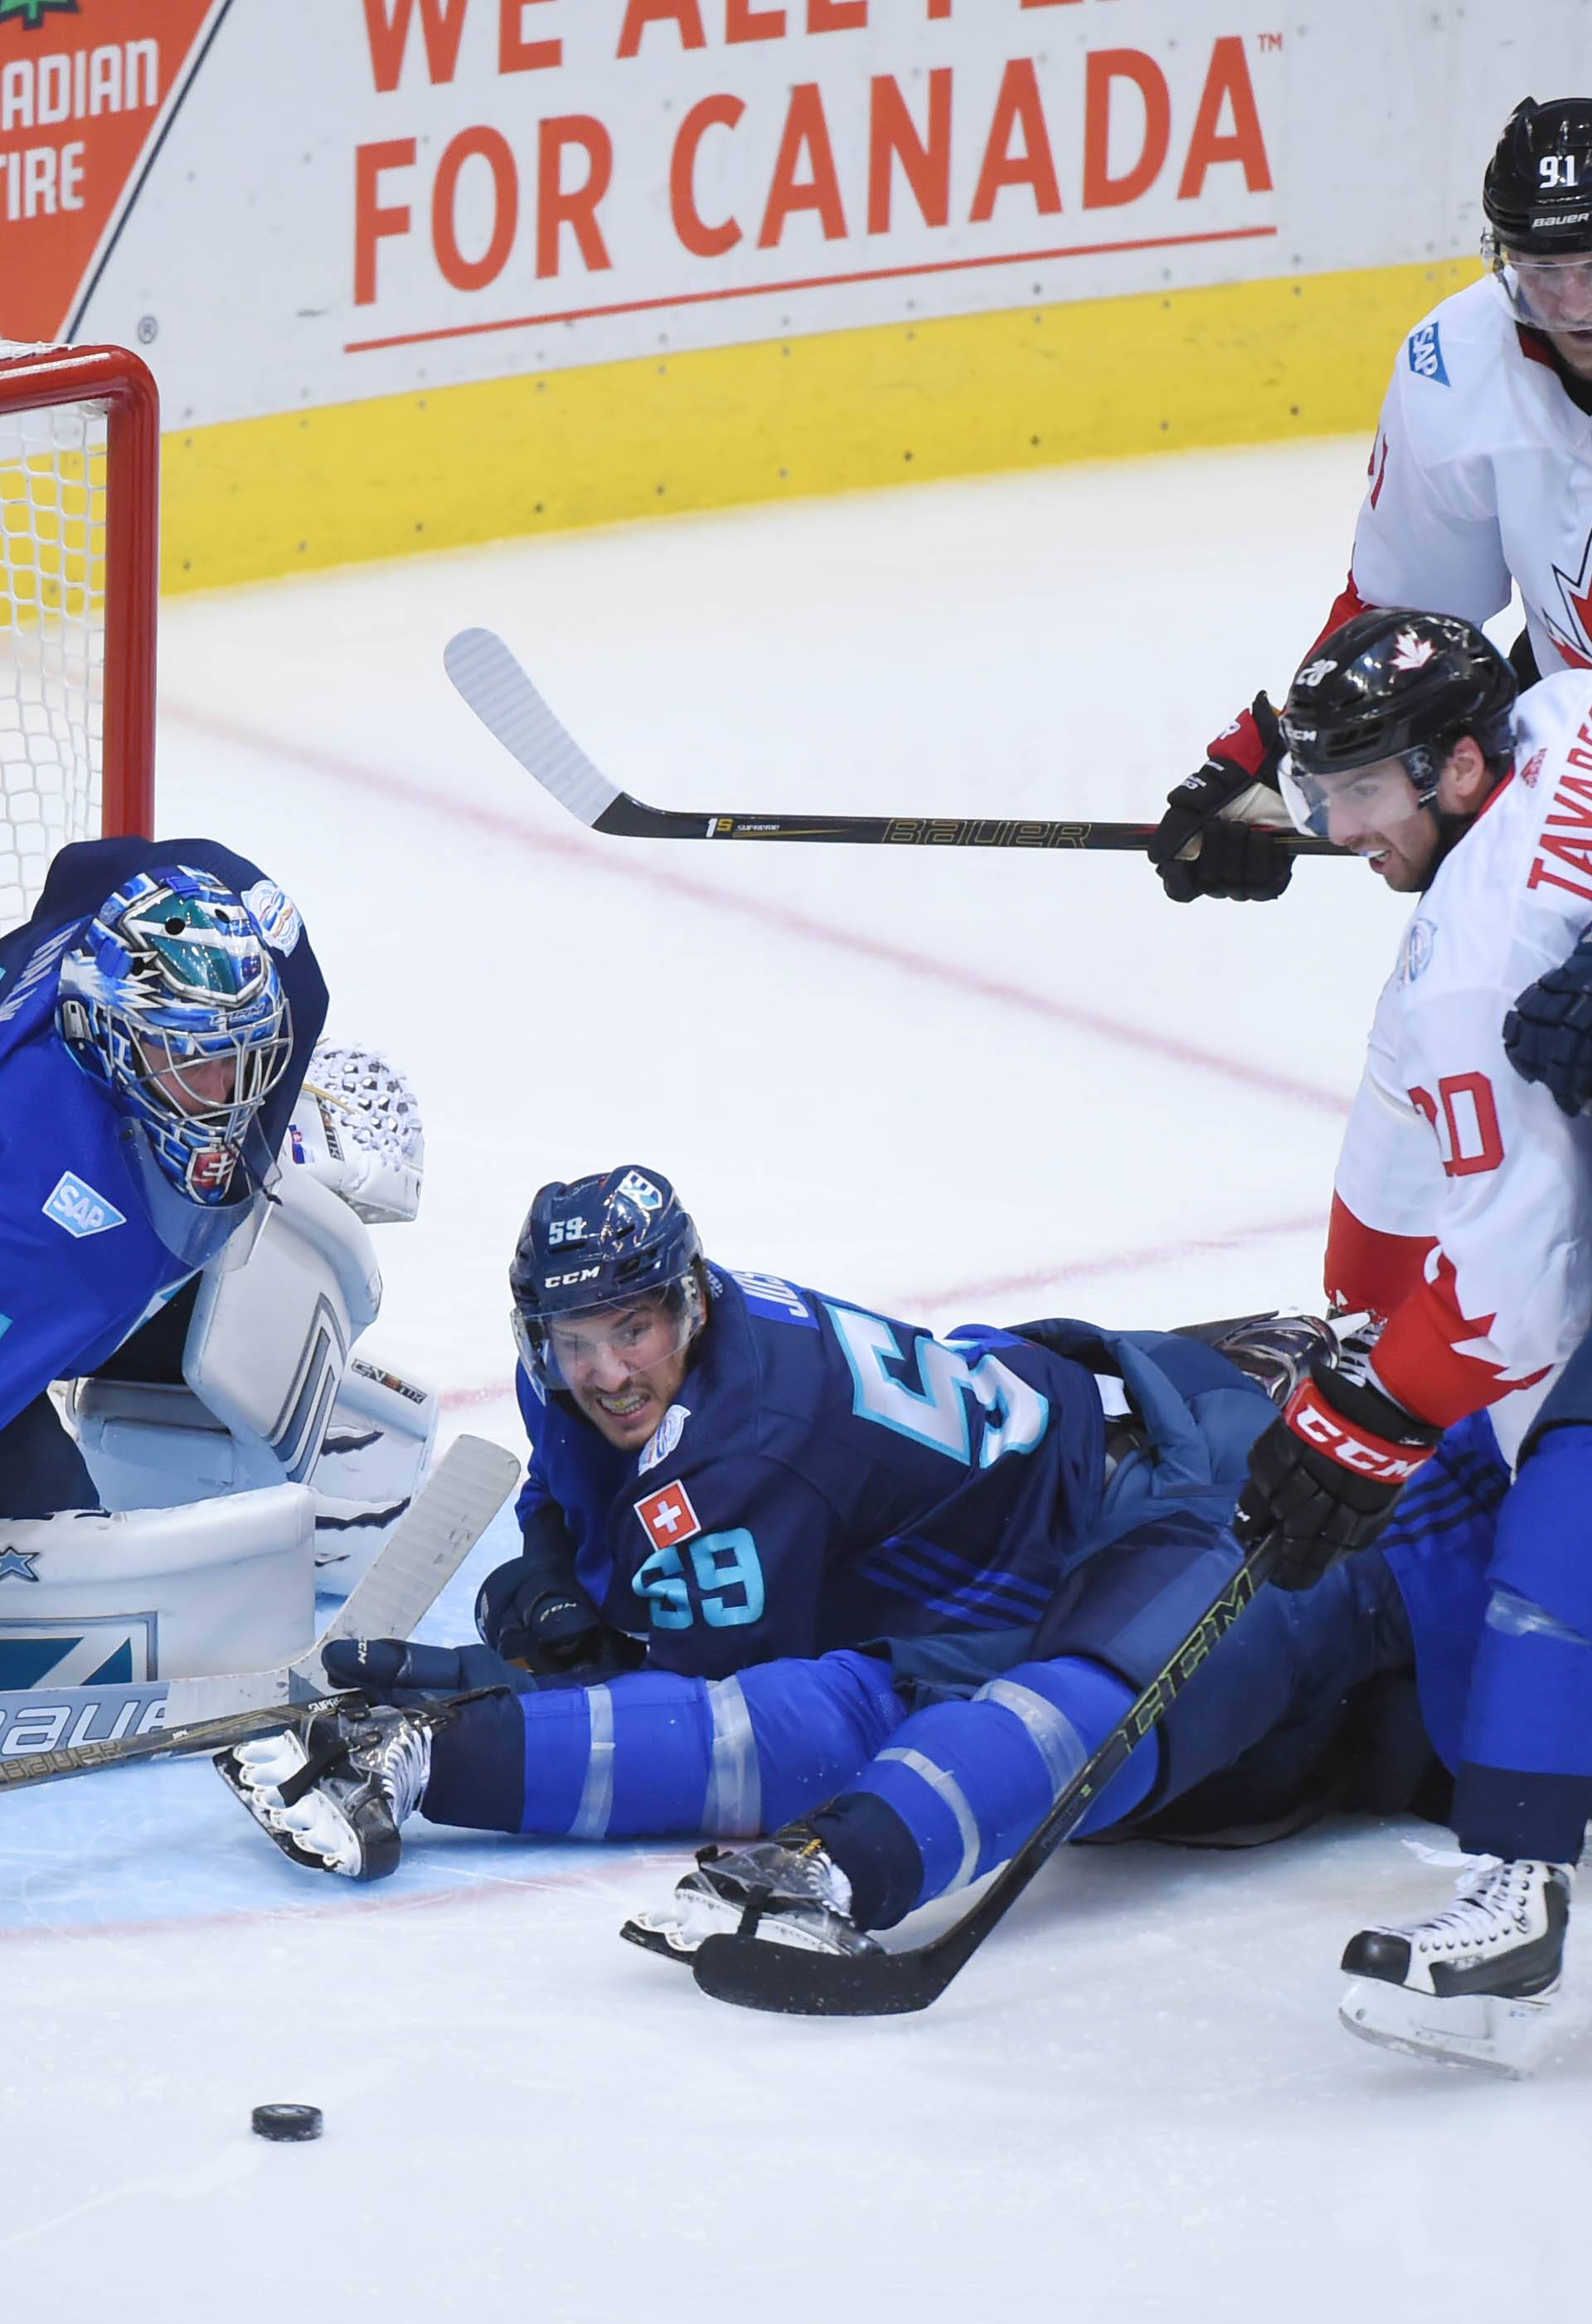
<point>957,1085</point>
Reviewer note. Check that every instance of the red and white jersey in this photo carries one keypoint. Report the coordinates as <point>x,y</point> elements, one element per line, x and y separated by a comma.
<point>1462,1205</point>
<point>1480,471</point>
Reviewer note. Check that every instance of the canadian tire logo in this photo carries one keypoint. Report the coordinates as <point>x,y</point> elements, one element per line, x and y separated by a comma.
<point>90,90</point>
<point>31,14</point>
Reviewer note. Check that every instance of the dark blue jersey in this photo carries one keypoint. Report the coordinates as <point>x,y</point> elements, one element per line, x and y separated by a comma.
<point>81,1262</point>
<point>827,1475</point>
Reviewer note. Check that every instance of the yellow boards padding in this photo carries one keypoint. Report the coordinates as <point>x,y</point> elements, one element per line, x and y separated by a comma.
<point>1030,387</point>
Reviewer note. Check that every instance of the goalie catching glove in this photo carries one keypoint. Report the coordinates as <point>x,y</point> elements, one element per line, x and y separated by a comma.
<point>1223,812</point>
<point>1325,1474</point>
<point>358,1129</point>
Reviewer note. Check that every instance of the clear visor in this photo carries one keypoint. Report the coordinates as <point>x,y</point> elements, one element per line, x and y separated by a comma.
<point>1356,800</point>
<point>603,1347</point>
<point>1549,294</point>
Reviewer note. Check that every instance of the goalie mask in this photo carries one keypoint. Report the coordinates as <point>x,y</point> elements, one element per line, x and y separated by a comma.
<point>606,1278</point>
<point>171,998</point>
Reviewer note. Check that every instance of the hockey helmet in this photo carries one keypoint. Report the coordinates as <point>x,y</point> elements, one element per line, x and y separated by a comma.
<point>1537,199</point>
<point>1392,684</point>
<point>171,998</point>
<point>618,1240</point>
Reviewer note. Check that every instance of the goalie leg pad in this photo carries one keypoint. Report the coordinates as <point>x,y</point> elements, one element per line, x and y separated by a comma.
<point>374,1459</point>
<point>220,1585</point>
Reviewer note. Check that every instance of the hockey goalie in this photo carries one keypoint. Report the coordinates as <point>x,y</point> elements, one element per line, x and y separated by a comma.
<point>189,1174</point>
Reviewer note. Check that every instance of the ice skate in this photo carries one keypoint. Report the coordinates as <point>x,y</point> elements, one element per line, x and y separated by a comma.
<point>787,1889</point>
<point>334,1793</point>
<point>1474,1984</point>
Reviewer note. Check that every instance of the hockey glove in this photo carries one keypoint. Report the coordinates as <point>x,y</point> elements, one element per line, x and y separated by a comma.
<point>1548,1033</point>
<point>535,1618</point>
<point>396,1670</point>
<point>1225,807</point>
<point>1327,1472</point>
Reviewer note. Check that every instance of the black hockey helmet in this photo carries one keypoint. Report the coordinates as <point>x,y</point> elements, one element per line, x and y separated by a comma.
<point>1393,684</point>
<point>615,1238</point>
<point>1537,193</point>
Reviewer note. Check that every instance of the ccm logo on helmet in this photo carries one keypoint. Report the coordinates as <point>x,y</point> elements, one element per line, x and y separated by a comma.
<point>575,1275</point>
<point>1365,1455</point>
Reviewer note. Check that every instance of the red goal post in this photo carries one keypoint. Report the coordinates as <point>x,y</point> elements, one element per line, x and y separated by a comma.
<point>79,566</point>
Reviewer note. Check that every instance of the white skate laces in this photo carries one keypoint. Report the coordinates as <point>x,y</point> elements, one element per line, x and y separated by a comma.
<point>1473,1983</point>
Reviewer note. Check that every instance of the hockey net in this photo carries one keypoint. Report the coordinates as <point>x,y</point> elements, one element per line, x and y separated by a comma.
<point>79,468</point>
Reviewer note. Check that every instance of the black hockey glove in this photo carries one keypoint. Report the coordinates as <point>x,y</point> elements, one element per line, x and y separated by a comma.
<point>1240,861</point>
<point>1548,1033</point>
<point>1327,1472</point>
<point>532,1614</point>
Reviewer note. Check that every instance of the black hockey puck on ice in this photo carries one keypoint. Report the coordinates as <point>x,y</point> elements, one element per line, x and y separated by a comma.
<point>294,2122</point>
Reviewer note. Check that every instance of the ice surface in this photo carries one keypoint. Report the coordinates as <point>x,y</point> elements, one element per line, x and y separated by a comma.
<point>960,1086</point>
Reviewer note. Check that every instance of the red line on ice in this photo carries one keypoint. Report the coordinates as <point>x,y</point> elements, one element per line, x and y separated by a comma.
<point>1000,1287</point>
<point>617,860</point>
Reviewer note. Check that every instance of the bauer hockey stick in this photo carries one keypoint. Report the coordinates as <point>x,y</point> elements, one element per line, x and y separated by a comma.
<point>760,1973</point>
<point>507,704</point>
<point>431,1541</point>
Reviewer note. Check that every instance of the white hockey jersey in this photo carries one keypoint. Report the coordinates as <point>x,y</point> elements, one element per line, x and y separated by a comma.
<point>1462,1205</point>
<point>1481,470</point>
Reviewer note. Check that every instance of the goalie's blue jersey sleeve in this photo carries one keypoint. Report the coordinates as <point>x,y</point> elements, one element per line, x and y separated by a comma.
<point>81,1262</point>
<point>826,1476</point>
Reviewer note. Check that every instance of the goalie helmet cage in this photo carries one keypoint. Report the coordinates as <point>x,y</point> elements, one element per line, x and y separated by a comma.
<point>79,565</point>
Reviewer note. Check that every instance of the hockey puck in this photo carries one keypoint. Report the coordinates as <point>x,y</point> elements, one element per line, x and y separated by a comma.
<point>290,2122</point>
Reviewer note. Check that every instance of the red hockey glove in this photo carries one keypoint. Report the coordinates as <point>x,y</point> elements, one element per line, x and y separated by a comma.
<point>1327,1473</point>
<point>1238,860</point>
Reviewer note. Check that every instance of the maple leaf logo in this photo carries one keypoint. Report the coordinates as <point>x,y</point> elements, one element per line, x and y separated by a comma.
<point>1576,598</point>
<point>31,14</point>
<point>1411,653</point>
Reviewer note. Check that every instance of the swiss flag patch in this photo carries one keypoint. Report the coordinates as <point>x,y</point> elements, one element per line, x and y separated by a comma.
<point>667,1515</point>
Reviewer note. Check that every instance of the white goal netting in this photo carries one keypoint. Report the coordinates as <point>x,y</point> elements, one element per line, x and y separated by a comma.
<point>52,592</point>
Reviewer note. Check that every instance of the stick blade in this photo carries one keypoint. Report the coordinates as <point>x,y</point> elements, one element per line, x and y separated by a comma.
<point>459,1499</point>
<point>756,1974</point>
<point>490,680</point>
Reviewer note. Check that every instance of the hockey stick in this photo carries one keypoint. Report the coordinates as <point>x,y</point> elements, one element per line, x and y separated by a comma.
<point>446,1518</point>
<point>761,1974</point>
<point>491,682</point>
<point>201,1734</point>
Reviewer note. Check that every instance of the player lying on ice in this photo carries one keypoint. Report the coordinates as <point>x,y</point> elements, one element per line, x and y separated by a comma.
<point>1478,479</point>
<point>778,1548</point>
<point>1463,1216</point>
<point>158,1014</point>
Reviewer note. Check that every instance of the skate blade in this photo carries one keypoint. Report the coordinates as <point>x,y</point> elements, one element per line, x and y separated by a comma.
<point>1485,2031</point>
<point>709,1916</point>
<point>664,1942</point>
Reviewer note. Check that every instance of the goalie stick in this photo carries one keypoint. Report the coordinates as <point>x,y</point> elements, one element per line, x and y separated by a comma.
<point>495,688</point>
<point>760,1973</point>
<point>446,1518</point>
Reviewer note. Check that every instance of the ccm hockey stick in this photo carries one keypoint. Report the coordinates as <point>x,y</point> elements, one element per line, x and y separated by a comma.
<point>760,1973</point>
<point>507,704</point>
<point>47,1738</point>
